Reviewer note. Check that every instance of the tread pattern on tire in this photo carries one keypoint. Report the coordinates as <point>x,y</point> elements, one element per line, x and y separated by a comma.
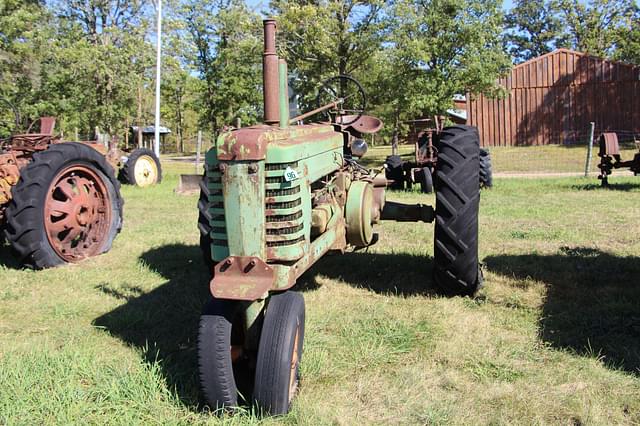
<point>271,389</point>
<point>456,269</point>
<point>128,174</point>
<point>214,356</point>
<point>486,170</point>
<point>204,225</point>
<point>25,224</point>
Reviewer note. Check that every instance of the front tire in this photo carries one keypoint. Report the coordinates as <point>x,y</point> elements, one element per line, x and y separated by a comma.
<point>279,353</point>
<point>142,168</point>
<point>66,207</point>
<point>221,354</point>
<point>456,269</point>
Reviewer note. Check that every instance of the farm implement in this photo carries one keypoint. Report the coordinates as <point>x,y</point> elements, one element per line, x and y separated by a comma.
<point>419,170</point>
<point>277,197</point>
<point>60,201</point>
<point>610,158</point>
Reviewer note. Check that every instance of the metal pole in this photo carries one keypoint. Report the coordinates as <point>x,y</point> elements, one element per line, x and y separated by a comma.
<point>198,147</point>
<point>156,141</point>
<point>587,167</point>
<point>284,93</point>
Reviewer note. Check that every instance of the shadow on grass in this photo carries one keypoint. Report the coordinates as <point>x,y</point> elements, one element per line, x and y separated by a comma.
<point>623,186</point>
<point>163,323</point>
<point>591,305</point>
<point>399,274</point>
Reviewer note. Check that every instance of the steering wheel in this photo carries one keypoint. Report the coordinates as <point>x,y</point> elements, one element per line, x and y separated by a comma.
<point>347,95</point>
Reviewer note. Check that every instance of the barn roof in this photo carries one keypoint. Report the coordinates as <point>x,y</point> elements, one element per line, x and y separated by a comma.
<point>576,54</point>
<point>564,67</point>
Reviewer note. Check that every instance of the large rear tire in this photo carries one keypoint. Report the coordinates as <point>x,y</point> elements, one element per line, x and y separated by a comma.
<point>456,270</point>
<point>279,353</point>
<point>65,207</point>
<point>204,225</point>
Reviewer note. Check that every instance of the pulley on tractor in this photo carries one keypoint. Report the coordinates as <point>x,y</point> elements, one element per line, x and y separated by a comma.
<point>60,201</point>
<point>276,197</point>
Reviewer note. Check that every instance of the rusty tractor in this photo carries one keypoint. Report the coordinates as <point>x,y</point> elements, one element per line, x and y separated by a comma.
<point>403,174</point>
<point>610,158</point>
<point>277,197</point>
<point>60,201</point>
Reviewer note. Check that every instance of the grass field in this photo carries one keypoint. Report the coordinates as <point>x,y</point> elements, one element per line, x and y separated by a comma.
<point>553,338</point>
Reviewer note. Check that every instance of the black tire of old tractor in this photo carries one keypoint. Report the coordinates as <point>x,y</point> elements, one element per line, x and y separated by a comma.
<point>25,227</point>
<point>284,320</point>
<point>456,268</point>
<point>204,225</point>
<point>214,355</point>
<point>394,171</point>
<point>486,170</point>
<point>426,181</point>
<point>127,173</point>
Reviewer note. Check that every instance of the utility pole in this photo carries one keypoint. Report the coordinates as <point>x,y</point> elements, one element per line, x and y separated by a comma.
<point>156,141</point>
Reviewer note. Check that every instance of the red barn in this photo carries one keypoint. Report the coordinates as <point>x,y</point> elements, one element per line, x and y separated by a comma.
<point>553,98</point>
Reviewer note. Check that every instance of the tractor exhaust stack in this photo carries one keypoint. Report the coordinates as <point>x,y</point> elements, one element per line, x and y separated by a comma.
<point>270,74</point>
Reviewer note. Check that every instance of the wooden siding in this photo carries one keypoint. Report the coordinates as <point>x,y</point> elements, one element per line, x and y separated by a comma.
<point>553,98</point>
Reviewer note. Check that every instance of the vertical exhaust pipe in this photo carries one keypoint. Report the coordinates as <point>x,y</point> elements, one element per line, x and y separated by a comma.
<point>270,73</point>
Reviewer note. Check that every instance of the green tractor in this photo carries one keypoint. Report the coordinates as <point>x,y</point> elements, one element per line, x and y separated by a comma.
<point>275,198</point>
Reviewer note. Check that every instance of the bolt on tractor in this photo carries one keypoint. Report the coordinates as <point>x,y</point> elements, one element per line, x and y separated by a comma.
<point>403,174</point>
<point>610,158</point>
<point>60,201</point>
<point>277,197</point>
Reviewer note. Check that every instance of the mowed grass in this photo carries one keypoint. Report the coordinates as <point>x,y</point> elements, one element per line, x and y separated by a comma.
<point>553,338</point>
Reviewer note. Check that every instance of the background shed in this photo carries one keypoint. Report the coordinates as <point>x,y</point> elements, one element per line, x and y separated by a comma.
<point>553,98</point>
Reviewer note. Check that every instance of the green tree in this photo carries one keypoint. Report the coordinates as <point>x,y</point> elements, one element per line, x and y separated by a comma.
<point>98,61</point>
<point>226,52</point>
<point>325,38</point>
<point>628,44</point>
<point>533,28</point>
<point>437,49</point>
<point>23,25</point>
<point>597,26</point>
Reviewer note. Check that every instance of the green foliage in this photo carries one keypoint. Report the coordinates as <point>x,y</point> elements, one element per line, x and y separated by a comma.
<point>597,26</point>
<point>534,28</point>
<point>20,38</point>
<point>226,53</point>
<point>440,48</point>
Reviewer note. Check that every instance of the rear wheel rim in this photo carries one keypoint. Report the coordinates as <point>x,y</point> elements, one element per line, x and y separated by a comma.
<point>145,171</point>
<point>77,214</point>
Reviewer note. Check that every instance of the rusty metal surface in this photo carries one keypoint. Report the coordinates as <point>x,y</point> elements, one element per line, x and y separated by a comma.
<point>608,144</point>
<point>249,143</point>
<point>77,213</point>
<point>270,73</point>
<point>242,278</point>
<point>363,124</point>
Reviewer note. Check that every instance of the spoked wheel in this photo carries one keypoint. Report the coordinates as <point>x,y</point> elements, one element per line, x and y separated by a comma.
<point>77,212</point>
<point>456,270</point>
<point>65,208</point>
<point>347,94</point>
<point>279,354</point>
<point>142,168</point>
<point>225,366</point>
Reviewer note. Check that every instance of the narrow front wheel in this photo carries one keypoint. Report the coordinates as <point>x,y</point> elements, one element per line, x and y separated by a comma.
<point>279,353</point>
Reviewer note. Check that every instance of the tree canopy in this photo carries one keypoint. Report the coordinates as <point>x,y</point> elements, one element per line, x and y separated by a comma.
<point>91,62</point>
